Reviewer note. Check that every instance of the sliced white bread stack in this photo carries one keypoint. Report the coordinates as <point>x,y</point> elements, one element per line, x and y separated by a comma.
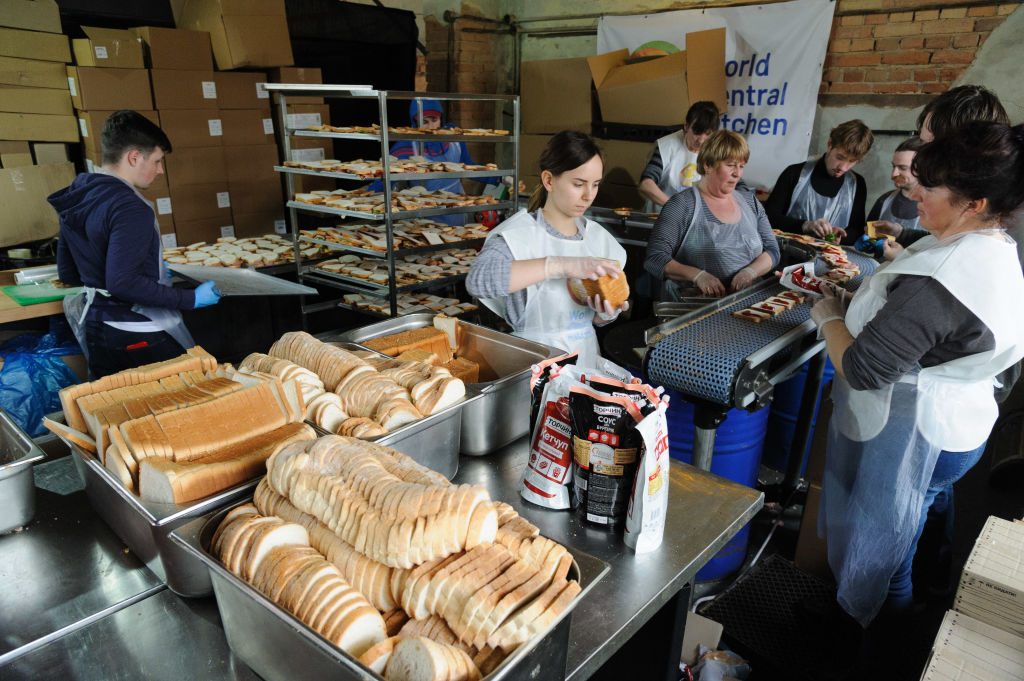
<point>308,381</point>
<point>329,362</point>
<point>275,558</point>
<point>420,659</point>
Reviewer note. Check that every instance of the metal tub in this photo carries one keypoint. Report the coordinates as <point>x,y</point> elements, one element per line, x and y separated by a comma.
<point>144,526</point>
<point>274,644</point>
<point>17,483</point>
<point>502,414</point>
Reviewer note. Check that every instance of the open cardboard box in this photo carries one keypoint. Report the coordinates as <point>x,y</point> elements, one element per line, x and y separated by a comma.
<point>108,47</point>
<point>659,91</point>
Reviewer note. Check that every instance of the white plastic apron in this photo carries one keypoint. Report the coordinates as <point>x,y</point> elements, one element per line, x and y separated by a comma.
<point>551,316</point>
<point>678,167</point>
<point>808,204</point>
<point>885,213</point>
<point>77,307</point>
<point>883,444</point>
<point>698,247</point>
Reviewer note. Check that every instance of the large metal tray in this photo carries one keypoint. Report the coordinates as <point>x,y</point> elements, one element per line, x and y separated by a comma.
<point>275,644</point>
<point>502,415</point>
<point>144,526</point>
<point>17,483</point>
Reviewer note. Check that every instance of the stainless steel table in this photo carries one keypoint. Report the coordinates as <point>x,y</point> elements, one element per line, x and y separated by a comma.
<point>73,604</point>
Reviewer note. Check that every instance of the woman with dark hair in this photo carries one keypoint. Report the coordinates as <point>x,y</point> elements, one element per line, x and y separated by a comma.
<point>523,268</point>
<point>916,351</point>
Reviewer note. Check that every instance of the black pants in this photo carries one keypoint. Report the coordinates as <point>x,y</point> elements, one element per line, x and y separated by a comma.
<point>112,350</point>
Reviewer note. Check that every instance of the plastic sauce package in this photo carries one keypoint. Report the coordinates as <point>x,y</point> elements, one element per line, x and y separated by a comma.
<point>648,499</point>
<point>606,446</point>
<point>549,469</point>
<point>801,278</point>
<point>540,374</point>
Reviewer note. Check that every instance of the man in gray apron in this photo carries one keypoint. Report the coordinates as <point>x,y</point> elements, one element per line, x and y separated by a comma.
<point>824,197</point>
<point>127,314</point>
<point>895,213</point>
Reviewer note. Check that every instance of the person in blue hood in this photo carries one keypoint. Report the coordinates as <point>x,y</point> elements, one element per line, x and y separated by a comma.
<point>127,314</point>
<point>427,113</point>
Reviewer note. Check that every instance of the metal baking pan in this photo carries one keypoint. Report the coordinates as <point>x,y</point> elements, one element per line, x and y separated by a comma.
<point>17,482</point>
<point>144,525</point>
<point>502,415</point>
<point>274,644</point>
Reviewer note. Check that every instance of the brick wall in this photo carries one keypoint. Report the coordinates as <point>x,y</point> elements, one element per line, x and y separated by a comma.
<point>890,47</point>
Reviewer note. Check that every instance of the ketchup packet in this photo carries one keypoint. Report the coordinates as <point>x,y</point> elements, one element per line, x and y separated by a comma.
<point>801,278</point>
<point>540,374</point>
<point>549,470</point>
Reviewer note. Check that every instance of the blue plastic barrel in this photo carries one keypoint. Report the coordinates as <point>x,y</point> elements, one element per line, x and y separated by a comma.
<point>736,456</point>
<point>784,412</point>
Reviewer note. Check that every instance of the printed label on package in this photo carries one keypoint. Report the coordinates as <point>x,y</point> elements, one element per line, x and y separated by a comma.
<point>227,230</point>
<point>280,226</point>
<point>303,120</point>
<point>215,127</point>
<point>209,89</point>
<point>268,126</point>
<point>169,240</point>
<point>71,86</point>
<point>90,166</point>
<point>261,91</point>
<point>83,127</point>
<point>302,155</point>
<point>223,200</point>
<point>101,51</point>
<point>163,205</point>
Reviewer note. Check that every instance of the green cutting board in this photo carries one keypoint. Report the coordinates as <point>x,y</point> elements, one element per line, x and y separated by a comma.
<point>33,294</point>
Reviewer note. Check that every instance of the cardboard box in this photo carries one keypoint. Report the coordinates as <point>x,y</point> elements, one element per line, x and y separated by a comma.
<point>32,73</point>
<point>108,47</point>
<point>258,224</point>
<point>41,127</point>
<point>35,100</point>
<point>244,127</point>
<point>34,45</point>
<point>301,116</point>
<point>555,95</point>
<point>530,148</point>
<point>242,90</point>
<point>90,126</point>
<point>251,163</point>
<point>198,165</point>
<point>15,154</point>
<point>195,231</point>
<point>659,91</point>
<point>26,215</point>
<point>49,153</point>
<point>611,195</point>
<point>192,127</point>
<point>175,48</point>
<point>811,550</point>
<point>205,201</point>
<point>31,15</point>
<point>183,89</point>
<point>624,162</point>
<point>256,196</point>
<point>297,74</point>
<point>160,195</point>
<point>243,32</point>
<point>96,89</point>
<point>312,149</point>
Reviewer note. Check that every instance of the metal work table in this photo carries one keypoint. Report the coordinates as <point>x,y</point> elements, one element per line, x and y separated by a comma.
<point>74,604</point>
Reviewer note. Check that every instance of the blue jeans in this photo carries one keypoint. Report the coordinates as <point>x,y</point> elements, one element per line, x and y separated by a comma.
<point>950,467</point>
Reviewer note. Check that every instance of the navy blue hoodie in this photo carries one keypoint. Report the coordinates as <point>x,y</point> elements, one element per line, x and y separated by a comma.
<point>108,241</point>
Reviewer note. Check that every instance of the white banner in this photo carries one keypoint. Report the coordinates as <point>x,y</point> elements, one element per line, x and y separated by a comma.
<point>773,59</point>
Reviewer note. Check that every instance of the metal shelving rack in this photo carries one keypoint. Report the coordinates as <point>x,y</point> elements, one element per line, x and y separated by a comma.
<point>389,216</point>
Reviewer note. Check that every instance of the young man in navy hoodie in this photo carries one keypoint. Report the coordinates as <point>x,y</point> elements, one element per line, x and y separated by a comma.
<point>127,314</point>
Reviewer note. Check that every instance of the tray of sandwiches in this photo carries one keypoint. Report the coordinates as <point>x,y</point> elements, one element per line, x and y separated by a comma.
<point>362,169</point>
<point>412,406</point>
<point>407,234</point>
<point>408,303</point>
<point>494,365</point>
<point>410,271</point>
<point>265,251</point>
<point>165,442</point>
<point>374,129</point>
<point>354,562</point>
<point>403,200</point>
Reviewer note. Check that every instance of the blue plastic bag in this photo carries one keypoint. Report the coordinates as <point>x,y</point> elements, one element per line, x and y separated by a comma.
<point>33,373</point>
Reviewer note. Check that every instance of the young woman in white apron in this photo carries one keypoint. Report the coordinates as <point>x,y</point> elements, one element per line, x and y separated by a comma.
<point>893,447</point>
<point>524,270</point>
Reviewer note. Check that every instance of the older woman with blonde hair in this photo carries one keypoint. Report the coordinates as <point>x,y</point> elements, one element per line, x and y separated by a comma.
<point>709,237</point>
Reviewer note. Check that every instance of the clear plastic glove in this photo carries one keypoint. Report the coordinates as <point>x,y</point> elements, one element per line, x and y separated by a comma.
<point>821,228</point>
<point>568,267</point>
<point>830,308</point>
<point>839,292</point>
<point>890,250</point>
<point>206,294</point>
<point>603,309</point>
<point>709,284</point>
<point>887,228</point>
<point>743,279</point>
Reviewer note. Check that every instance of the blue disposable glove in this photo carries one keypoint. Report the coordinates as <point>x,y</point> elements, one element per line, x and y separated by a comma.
<point>206,294</point>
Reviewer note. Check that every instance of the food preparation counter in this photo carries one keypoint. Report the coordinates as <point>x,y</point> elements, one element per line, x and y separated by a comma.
<point>75,604</point>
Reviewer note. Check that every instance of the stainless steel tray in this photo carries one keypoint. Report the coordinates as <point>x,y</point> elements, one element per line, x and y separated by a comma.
<point>242,281</point>
<point>144,526</point>
<point>17,482</point>
<point>502,415</point>
<point>275,644</point>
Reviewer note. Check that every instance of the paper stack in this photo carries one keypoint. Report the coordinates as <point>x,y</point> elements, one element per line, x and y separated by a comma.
<point>968,650</point>
<point>992,584</point>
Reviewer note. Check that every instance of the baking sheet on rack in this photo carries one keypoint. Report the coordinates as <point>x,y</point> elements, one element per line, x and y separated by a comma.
<point>231,281</point>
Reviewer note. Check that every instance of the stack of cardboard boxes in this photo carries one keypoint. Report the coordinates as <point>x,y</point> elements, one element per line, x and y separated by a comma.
<point>35,118</point>
<point>302,112</point>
